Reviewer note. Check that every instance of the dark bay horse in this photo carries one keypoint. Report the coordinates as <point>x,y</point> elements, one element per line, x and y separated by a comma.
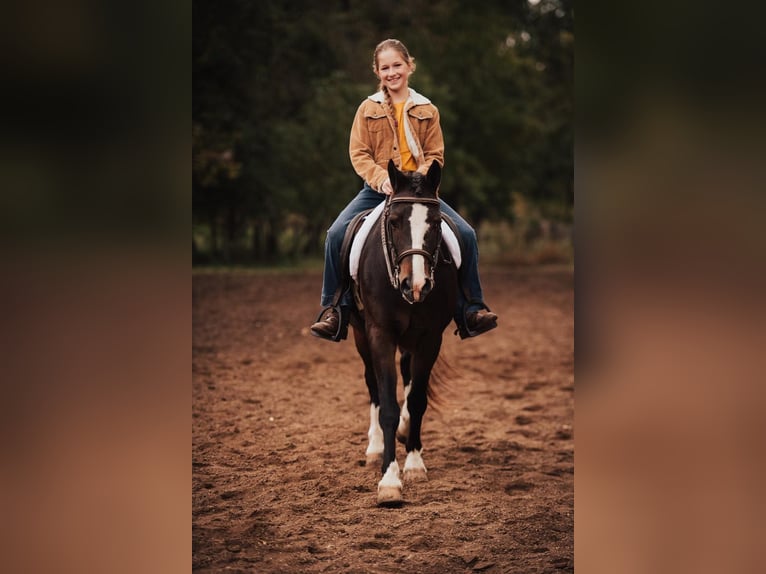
<point>406,291</point>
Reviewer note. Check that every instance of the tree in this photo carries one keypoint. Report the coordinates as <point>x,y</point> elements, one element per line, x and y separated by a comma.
<point>276,85</point>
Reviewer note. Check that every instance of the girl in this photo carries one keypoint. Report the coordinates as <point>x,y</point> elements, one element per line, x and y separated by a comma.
<point>400,124</point>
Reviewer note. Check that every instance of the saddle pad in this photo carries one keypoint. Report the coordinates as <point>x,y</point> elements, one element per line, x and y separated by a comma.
<point>448,237</point>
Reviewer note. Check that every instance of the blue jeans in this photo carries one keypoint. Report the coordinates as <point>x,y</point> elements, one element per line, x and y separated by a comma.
<point>368,198</point>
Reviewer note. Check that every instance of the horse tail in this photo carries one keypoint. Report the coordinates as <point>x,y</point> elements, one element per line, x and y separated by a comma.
<point>439,383</point>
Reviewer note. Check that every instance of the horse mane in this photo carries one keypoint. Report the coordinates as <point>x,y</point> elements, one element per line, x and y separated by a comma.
<point>418,186</point>
<point>418,179</point>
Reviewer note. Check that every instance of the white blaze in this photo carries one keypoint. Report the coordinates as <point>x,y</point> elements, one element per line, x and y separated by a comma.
<point>418,228</point>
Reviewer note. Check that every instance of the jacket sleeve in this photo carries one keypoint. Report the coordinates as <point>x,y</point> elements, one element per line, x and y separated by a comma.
<point>433,143</point>
<point>361,152</point>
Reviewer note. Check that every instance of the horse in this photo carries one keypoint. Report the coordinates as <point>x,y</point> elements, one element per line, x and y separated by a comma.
<point>406,292</point>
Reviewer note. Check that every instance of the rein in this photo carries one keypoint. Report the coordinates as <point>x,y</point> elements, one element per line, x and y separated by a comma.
<point>389,251</point>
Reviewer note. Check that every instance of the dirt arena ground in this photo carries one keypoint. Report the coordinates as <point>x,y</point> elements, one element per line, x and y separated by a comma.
<point>279,433</point>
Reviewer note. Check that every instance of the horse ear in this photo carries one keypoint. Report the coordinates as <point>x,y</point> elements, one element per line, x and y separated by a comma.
<point>393,174</point>
<point>434,175</point>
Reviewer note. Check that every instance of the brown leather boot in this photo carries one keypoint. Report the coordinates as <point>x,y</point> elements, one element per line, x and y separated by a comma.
<point>328,326</point>
<point>479,322</point>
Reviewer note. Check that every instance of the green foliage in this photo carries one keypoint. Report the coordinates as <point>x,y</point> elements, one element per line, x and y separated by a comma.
<point>276,85</point>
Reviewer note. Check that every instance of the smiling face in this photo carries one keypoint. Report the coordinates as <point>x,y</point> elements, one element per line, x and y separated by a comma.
<point>394,71</point>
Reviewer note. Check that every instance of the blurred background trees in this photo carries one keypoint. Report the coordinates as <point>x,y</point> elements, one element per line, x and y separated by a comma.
<point>276,85</point>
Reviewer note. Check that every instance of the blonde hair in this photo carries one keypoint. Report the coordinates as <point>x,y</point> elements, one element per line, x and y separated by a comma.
<point>392,44</point>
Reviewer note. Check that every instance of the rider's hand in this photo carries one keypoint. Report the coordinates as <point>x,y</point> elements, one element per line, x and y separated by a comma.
<point>386,187</point>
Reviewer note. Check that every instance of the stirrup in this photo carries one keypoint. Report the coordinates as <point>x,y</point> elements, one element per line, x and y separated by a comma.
<point>343,316</point>
<point>463,329</point>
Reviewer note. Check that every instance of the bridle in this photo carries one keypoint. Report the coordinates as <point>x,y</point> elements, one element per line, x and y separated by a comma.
<point>393,259</point>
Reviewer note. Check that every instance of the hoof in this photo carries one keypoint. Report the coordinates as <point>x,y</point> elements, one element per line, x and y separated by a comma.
<point>390,496</point>
<point>415,475</point>
<point>374,460</point>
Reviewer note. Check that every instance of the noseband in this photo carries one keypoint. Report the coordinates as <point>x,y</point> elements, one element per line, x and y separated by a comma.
<point>393,259</point>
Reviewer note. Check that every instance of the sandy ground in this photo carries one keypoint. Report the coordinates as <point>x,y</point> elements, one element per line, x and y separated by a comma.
<point>279,433</point>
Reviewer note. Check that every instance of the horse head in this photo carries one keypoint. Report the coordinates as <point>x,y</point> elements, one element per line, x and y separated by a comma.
<point>412,230</point>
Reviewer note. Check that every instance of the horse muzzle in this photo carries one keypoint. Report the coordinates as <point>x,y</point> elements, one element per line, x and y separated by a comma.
<point>415,293</point>
<point>415,272</point>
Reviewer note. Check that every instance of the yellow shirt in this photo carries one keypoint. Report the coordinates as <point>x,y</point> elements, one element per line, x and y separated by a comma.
<point>408,162</point>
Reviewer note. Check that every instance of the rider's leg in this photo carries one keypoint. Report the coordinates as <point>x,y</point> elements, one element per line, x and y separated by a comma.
<point>470,296</point>
<point>367,198</point>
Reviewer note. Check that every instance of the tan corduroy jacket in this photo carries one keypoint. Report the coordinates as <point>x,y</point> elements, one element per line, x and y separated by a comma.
<point>374,138</point>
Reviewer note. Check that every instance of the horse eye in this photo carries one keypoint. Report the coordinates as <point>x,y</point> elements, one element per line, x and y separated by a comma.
<point>394,222</point>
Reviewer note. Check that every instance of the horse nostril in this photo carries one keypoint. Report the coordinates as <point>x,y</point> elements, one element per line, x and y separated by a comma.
<point>406,284</point>
<point>427,287</point>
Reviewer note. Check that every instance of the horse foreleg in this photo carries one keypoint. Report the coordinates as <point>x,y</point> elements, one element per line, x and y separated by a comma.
<point>403,430</point>
<point>374,453</point>
<point>414,467</point>
<point>390,486</point>
<point>404,416</point>
<point>417,401</point>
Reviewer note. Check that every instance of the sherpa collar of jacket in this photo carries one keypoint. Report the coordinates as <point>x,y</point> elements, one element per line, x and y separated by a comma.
<point>417,99</point>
